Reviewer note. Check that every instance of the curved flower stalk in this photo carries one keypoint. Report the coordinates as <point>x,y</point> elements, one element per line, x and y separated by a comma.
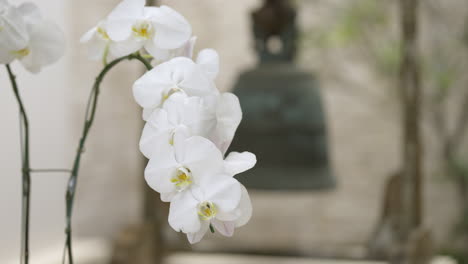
<point>35,42</point>
<point>89,120</point>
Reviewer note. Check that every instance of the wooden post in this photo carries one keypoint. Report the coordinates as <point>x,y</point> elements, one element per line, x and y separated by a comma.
<point>415,243</point>
<point>411,92</point>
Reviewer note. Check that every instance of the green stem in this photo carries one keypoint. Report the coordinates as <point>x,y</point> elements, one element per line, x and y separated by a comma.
<point>89,119</point>
<point>24,135</point>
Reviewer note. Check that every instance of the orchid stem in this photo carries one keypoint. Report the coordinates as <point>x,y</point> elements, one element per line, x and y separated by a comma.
<point>26,190</point>
<point>89,119</point>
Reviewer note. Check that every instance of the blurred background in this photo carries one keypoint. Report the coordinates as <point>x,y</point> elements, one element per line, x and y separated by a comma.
<point>322,111</point>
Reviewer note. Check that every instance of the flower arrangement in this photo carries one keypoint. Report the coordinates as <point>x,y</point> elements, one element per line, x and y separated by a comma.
<point>189,122</point>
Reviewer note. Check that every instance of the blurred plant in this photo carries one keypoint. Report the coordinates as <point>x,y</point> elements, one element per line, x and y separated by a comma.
<point>356,27</point>
<point>365,27</point>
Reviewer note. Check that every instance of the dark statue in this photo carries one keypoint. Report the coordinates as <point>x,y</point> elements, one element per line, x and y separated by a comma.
<point>284,123</point>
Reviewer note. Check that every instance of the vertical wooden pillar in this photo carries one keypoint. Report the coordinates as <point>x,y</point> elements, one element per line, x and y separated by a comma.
<point>411,93</point>
<point>415,243</point>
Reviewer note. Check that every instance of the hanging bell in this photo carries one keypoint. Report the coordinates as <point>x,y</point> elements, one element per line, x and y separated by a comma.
<point>283,119</point>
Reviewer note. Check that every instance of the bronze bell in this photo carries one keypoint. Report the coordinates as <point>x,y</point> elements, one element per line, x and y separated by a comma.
<point>284,122</point>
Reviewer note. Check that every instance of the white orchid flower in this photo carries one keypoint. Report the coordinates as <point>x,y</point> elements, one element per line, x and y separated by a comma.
<point>155,29</point>
<point>209,204</point>
<point>179,75</point>
<point>193,211</point>
<point>43,43</point>
<point>235,163</point>
<point>211,217</point>
<point>180,114</point>
<point>225,224</point>
<point>191,161</point>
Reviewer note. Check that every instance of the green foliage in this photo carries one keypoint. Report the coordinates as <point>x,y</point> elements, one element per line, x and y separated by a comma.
<point>388,57</point>
<point>441,75</point>
<point>350,26</point>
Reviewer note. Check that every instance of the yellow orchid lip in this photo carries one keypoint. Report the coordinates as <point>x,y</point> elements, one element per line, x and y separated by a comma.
<point>143,30</point>
<point>207,210</point>
<point>103,33</point>
<point>182,179</point>
<point>21,53</point>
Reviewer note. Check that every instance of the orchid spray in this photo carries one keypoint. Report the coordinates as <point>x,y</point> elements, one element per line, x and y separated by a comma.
<point>189,122</point>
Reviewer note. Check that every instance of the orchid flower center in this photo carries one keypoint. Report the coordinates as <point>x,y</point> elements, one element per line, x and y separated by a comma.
<point>21,53</point>
<point>102,33</point>
<point>143,30</point>
<point>207,210</point>
<point>182,178</point>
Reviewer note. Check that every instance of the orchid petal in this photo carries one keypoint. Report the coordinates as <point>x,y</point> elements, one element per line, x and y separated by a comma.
<point>47,45</point>
<point>14,35</point>
<point>229,116</point>
<point>183,213</point>
<point>198,236</point>
<point>202,157</point>
<point>191,77</point>
<point>30,13</point>
<point>172,29</point>
<point>236,162</point>
<point>208,60</point>
<point>244,209</point>
<point>148,90</point>
<point>160,169</point>
<point>124,47</point>
<point>223,191</point>
<point>224,227</point>
<point>122,18</point>
<point>120,30</point>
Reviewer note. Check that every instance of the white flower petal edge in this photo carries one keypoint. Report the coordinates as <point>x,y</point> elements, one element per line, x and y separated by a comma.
<point>13,33</point>
<point>208,59</point>
<point>228,115</point>
<point>46,46</point>
<point>236,162</point>
<point>172,29</point>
